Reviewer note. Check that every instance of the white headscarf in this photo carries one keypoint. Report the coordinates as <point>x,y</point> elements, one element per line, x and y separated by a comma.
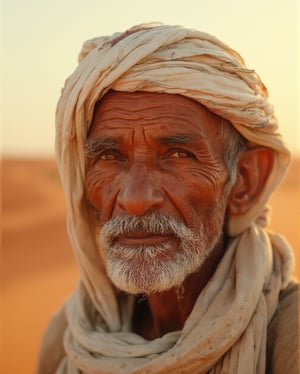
<point>175,60</point>
<point>172,59</point>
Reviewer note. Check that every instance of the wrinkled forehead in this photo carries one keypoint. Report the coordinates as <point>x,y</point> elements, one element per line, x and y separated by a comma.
<point>160,108</point>
<point>143,100</point>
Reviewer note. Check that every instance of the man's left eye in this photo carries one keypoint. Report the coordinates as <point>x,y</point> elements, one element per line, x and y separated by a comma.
<point>180,154</point>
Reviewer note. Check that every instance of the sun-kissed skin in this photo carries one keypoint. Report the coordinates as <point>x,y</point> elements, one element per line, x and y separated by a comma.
<point>163,153</point>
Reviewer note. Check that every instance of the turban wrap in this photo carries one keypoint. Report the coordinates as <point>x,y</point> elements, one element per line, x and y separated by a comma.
<point>228,321</point>
<point>177,61</point>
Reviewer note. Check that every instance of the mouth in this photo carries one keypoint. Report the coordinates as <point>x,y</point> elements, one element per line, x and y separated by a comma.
<point>143,238</point>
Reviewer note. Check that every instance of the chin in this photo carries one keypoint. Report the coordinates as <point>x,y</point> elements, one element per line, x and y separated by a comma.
<point>147,269</point>
<point>152,276</point>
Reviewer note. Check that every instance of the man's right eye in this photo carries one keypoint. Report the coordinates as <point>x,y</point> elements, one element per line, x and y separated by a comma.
<point>110,155</point>
<point>107,156</point>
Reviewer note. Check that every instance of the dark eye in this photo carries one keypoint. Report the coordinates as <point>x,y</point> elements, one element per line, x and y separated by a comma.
<point>180,153</point>
<point>107,156</point>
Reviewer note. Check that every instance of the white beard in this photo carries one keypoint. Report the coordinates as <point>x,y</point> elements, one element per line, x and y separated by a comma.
<point>156,268</point>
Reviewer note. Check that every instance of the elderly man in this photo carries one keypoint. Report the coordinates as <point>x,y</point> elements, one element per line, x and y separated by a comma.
<point>168,151</point>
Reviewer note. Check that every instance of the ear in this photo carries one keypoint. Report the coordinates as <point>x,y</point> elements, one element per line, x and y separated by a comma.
<point>254,168</point>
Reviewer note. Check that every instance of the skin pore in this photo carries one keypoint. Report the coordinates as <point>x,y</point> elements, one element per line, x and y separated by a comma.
<point>158,154</point>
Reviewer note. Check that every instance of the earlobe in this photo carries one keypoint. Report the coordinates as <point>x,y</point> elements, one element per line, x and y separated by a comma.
<point>253,170</point>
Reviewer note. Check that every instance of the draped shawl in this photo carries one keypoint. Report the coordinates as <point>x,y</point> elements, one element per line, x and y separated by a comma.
<point>226,331</point>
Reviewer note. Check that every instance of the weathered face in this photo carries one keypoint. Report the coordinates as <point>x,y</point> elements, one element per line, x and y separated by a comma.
<point>156,177</point>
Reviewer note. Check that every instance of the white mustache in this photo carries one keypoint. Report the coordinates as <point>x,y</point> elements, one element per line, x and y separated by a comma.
<point>151,223</point>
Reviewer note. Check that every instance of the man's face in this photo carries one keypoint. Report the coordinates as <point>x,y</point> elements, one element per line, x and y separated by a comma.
<point>156,177</point>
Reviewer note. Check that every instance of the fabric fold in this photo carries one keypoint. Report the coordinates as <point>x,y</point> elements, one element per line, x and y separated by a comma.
<point>227,327</point>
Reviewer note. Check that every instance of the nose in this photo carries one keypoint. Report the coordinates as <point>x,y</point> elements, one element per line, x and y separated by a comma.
<point>140,192</point>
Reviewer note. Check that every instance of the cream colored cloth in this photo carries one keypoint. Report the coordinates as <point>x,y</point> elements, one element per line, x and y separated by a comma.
<point>226,331</point>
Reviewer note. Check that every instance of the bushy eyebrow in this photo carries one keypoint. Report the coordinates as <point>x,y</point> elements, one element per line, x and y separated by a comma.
<point>179,139</point>
<point>94,146</point>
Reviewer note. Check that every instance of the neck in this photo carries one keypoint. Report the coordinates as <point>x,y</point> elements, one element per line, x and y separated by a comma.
<point>167,311</point>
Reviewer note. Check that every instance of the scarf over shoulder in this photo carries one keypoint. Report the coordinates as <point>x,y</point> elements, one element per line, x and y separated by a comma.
<point>227,329</point>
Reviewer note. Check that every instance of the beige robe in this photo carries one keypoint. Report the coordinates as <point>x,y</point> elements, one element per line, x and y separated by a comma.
<point>228,299</point>
<point>282,343</point>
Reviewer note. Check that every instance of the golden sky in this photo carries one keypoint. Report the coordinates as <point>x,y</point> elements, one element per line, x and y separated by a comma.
<point>41,41</point>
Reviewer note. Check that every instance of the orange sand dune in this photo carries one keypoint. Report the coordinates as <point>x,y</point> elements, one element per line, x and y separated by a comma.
<point>37,266</point>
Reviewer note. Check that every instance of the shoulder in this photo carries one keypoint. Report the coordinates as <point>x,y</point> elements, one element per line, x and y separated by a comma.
<point>51,350</point>
<point>283,333</point>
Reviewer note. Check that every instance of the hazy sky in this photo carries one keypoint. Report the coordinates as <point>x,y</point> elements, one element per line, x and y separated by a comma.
<point>41,41</point>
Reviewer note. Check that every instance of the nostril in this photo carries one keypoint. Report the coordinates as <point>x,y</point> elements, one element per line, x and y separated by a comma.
<point>139,194</point>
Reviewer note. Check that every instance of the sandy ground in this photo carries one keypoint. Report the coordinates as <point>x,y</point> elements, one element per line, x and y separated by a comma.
<point>38,271</point>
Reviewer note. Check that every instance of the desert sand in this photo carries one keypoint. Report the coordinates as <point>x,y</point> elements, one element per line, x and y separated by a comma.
<point>38,270</point>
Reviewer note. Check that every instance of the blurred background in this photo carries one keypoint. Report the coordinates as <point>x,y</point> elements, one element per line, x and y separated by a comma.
<point>40,43</point>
